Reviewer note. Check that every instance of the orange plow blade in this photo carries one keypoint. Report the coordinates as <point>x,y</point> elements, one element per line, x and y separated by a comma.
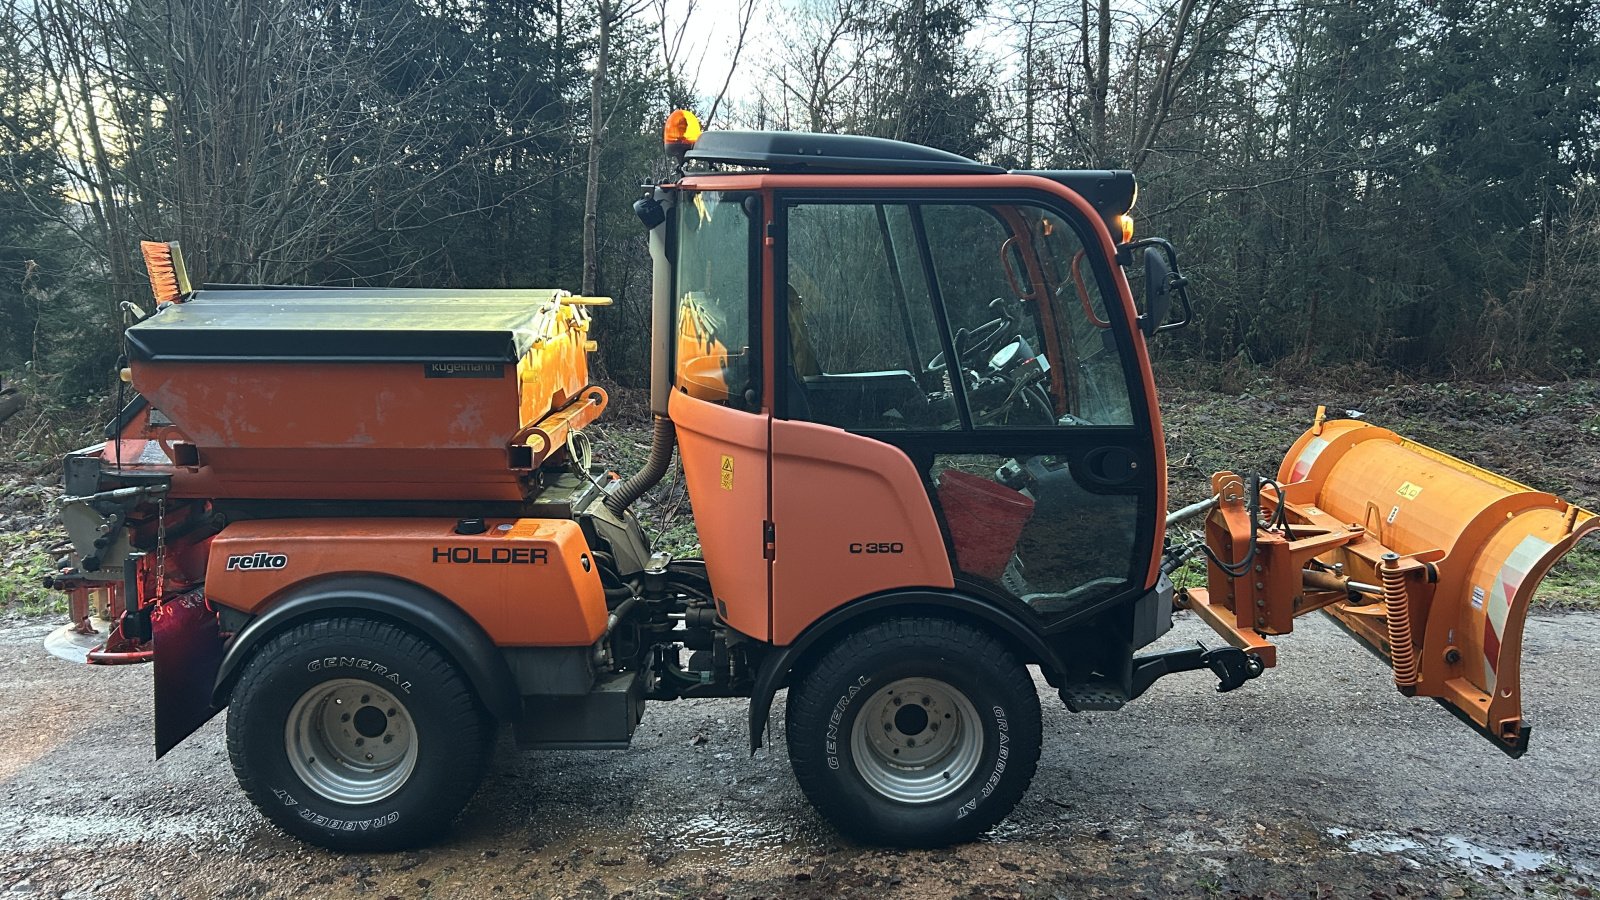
<point>1453,629</point>
<point>1430,561</point>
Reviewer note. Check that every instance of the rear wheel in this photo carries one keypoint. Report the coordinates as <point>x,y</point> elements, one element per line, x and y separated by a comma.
<point>356,734</point>
<point>915,731</point>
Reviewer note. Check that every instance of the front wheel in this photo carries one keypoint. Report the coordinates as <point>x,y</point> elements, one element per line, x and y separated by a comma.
<point>354,734</point>
<point>915,731</point>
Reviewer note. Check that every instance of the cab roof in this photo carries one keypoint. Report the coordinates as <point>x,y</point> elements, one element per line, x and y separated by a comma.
<point>1111,191</point>
<point>801,151</point>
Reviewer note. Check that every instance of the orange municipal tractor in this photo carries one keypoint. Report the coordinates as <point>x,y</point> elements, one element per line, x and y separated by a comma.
<point>913,403</point>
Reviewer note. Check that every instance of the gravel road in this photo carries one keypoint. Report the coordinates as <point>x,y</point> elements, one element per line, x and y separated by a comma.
<point>1317,780</point>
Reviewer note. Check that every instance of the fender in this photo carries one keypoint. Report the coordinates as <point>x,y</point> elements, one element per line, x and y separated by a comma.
<point>776,666</point>
<point>433,617</point>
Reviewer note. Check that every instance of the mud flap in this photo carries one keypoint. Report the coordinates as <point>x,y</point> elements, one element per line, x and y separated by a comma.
<point>188,653</point>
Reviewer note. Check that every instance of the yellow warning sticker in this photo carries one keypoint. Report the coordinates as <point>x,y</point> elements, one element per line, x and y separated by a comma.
<point>727,473</point>
<point>1409,490</point>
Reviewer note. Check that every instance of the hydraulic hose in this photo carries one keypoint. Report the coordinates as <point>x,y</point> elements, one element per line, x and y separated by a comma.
<point>662,442</point>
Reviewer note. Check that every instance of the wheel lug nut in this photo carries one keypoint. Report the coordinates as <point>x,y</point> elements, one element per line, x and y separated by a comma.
<point>345,717</point>
<point>387,738</point>
<point>911,742</point>
<point>887,727</point>
<point>391,713</point>
<point>927,701</point>
<point>369,757</point>
<point>364,698</point>
<point>897,701</point>
<point>360,741</point>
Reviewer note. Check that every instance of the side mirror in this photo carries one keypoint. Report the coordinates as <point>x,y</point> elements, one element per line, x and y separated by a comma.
<point>1157,291</point>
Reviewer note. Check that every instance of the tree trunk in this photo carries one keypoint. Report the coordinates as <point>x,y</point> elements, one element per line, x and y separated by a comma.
<point>591,193</point>
<point>1100,85</point>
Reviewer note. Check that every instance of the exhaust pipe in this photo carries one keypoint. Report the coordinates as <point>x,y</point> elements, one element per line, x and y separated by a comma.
<point>662,443</point>
<point>652,211</point>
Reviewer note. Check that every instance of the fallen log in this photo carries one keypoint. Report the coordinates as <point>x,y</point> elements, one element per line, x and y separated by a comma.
<point>10,402</point>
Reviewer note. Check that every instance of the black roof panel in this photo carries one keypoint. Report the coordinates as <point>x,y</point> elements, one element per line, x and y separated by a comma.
<point>342,324</point>
<point>801,151</point>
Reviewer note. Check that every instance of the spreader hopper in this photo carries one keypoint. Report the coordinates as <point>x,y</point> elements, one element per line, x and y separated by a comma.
<point>286,393</point>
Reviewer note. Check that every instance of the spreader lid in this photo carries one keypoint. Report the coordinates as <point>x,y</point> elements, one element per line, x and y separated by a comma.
<point>344,324</point>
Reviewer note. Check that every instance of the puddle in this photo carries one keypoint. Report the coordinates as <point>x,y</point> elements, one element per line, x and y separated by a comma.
<point>37,831</point>
<point>1385,843</point>
<point>708,832</point>
<point>1464,852</point>
<point>1511,860</point>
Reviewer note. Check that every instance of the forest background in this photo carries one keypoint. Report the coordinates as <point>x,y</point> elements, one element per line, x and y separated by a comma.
<point>1408,186</point>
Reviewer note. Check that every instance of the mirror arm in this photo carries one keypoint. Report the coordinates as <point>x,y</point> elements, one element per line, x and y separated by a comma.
<point>1177,283</point>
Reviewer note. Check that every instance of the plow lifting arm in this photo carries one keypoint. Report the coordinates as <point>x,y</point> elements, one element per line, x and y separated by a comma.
<point>1427,560</point>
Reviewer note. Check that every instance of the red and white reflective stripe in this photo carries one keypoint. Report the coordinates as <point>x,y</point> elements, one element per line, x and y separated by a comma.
<point>1308,456</point>
<point>1506,584</point>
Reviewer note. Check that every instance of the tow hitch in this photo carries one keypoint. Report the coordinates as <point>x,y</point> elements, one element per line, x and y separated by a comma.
<point>1232,666</point>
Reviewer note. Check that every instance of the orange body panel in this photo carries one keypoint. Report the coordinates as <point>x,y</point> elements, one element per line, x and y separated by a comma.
<point>852,518</point>
<point>724,453</point>
<point>527,582</point>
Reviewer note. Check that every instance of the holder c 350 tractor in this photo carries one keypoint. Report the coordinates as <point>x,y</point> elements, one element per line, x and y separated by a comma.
<point>916,418</point>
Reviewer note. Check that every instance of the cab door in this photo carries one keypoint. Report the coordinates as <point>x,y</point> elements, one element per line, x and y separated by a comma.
<point>722,430</point>
<point>930,337</point>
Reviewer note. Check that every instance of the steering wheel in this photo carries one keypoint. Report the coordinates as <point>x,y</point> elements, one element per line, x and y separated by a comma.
<point>975,345</point>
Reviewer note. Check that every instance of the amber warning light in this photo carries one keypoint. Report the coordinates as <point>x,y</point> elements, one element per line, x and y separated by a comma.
<point>683,129</point>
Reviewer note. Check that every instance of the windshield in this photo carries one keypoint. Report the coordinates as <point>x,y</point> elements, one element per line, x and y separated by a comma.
<point>714,283</point>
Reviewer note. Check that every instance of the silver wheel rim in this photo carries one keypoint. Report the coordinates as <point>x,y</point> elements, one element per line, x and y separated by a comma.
<point>917,740</point>
<point>351,741</point>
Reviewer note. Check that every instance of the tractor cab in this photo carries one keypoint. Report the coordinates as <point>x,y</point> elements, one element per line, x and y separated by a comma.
<point>897,367</point>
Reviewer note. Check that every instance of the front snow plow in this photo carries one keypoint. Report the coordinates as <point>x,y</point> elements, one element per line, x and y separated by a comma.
<point>1428,560</point>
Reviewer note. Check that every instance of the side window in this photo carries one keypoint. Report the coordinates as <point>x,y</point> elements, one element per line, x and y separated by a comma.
<point>861,321</point>
<point>875,291</point>
<point>1026,318</point>
<point>1027,524</point>
<point>715,278</point>
<point>1098,389</point>
<point>972,250</point>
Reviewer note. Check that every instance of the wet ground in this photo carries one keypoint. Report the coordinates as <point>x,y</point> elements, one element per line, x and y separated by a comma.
<point>1315,781</point>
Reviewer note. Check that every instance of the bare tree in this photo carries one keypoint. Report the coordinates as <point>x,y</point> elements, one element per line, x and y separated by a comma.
<point>611,14</point>
<point>277,141</point>
<point>817,59</point>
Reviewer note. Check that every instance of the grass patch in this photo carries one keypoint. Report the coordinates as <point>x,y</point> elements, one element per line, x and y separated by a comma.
<point>1573,583</point>
<point>24,563</point>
